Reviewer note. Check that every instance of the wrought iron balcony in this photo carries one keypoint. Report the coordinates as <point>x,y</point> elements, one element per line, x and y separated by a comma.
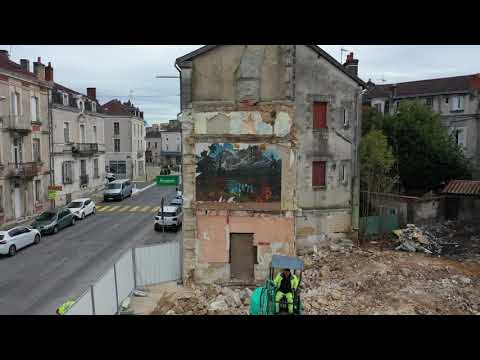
<point>83,180</point>
<point>24,170</point>
<point>84,149</point>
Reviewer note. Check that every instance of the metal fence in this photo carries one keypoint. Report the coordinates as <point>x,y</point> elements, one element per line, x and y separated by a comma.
<point>137,267</point>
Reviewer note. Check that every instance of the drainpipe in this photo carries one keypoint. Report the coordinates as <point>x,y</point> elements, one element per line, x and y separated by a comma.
<point>180,282</point>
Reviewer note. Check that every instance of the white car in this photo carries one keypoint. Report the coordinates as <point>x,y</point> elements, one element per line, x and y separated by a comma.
<point>82,208</point>
<point>16,238</point>
<point>172,218</point>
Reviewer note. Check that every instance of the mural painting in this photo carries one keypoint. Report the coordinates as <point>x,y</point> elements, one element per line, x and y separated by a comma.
<point>238,173</point>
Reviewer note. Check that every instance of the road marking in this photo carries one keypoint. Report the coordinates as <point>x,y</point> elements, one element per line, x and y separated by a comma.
<point>155,209</point>
<point>123,208</point>
<point>114,208</point>
<point>134,209</point>
<point>99,207</point>
<point>103,208</point>
<point>146,209</point>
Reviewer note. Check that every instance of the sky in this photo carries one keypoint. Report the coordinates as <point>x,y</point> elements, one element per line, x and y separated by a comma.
<point>128,71</point>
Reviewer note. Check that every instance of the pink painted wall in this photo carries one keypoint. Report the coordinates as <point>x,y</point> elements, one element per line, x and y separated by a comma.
<point>213,232</point>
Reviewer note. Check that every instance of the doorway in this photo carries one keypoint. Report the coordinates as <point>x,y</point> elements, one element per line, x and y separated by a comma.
<point>18,202</point>
<point>243,257</point>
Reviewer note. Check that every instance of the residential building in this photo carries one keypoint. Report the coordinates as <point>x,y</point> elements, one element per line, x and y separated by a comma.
<point>456,99</point>
<point>24,139</point>
<point>153,152</point>
<point>270,146</point>
<point>78,142</point>
<point>124,139</point>
<point>171,152</point>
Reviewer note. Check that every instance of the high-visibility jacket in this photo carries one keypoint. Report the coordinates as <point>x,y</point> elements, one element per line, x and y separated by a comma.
<point>293,281</point>
<point>65,307</point>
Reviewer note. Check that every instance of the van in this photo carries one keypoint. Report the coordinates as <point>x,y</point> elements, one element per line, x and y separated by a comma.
<point>118,190</point>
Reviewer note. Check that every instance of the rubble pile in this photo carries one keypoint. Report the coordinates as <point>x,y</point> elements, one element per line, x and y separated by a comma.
<point>413,239</point>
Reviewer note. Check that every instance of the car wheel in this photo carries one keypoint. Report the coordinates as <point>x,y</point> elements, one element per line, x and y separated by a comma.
<point>55,229</point>
<point>156,227</point>
<point>12,250</point>
<point>37,239</point>
<point>83,215</point>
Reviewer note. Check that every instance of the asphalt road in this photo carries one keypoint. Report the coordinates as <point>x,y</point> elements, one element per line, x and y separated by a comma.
<point>41,277</point>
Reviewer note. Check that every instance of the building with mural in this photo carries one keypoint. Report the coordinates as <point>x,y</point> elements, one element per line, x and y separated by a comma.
<point>270,143</point>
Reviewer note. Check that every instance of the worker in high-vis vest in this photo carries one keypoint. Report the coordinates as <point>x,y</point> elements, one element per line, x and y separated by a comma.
<point>285,283</point>
<point>65,307</point>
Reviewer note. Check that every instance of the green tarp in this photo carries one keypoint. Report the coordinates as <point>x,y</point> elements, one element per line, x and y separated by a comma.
<point>372,225</point>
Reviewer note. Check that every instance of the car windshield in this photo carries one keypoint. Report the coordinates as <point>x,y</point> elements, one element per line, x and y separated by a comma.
<point>167,214</point>
<point>114,186</point>
<point>46,216</point>
<point>75,205</point>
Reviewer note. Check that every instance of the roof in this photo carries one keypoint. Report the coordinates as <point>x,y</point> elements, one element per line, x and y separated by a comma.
<point>7,64</point>
<point>455,84</point>
<point>116,107</point>
<point>63,88</point>
<point>317,49</point>
<point>462,187</point>
<point>153,134</point>
<point>287,262</point>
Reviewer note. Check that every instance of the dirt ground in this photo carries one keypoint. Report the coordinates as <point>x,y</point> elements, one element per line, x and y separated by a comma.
<point>371,279</point>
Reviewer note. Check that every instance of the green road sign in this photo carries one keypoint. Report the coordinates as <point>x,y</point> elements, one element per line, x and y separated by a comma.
<point>167,180</point>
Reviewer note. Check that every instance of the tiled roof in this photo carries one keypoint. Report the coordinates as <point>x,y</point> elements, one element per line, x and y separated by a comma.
<point>12,66</point>
<point>63,88</point>
<point>456,84</point>
<point>116,107</point>
<point>462,187</point>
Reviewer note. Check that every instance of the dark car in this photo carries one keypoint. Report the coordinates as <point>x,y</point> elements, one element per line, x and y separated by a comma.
<point>51,221</point>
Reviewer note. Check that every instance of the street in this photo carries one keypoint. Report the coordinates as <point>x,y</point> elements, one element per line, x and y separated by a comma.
<point>41,277</point>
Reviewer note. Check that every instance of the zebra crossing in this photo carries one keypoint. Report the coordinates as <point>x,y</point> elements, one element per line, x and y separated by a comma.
<point>127,209</point>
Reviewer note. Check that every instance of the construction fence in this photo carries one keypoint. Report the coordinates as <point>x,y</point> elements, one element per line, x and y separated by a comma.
<point>136,268</point>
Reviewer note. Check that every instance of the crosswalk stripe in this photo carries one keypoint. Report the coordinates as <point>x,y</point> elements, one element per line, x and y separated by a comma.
<point>155,209</point>
<point>123,208</point>
<point>99,207</point>
<point>112,209</point>
<point>146,209</point>
<point>103,208</point>
<point>134,209</point>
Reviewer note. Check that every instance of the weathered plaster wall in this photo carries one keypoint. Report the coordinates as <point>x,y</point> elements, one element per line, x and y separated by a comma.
<point>318,80</point>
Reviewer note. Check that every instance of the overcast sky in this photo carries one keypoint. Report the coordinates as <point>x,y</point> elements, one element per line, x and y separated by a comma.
<point>118,71</point>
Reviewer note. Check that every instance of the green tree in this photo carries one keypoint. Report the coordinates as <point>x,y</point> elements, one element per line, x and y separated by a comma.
<point>427,155</point>
<point>376,163</point>
<point>371,120</point>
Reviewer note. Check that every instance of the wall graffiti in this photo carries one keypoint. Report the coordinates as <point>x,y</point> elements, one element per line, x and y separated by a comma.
<point>238,173</point>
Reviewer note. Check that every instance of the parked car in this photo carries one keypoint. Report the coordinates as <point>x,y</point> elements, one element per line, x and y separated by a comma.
<point>118,190</point>
<point>82,208</point>
<point>51,221</point>
<point>16,238</point>
<point>177,201</point>
<point>172,218</point>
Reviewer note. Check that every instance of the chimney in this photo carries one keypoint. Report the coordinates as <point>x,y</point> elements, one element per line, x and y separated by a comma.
<point>49,72</point>
<point>25,64</point>
<point>351,64</point>
<point>92,93</point>
<point>39,69</point>
<point>4,55</point>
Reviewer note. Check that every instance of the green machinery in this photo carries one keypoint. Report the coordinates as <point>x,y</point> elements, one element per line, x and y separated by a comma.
<point>262,301</point>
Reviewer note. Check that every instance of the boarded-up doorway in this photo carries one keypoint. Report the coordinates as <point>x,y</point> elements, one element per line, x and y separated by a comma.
<point>242,257</point>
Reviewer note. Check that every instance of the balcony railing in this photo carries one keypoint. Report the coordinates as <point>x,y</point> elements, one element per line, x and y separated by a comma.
<point>25,170</point>
<point>19,123</point>
<point>140,154</point>
<point>84,149</point>
<point>83,180</point>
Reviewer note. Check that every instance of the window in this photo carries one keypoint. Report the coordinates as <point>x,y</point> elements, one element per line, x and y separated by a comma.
<point>15,103</point>
<point>345,117</point>
<point>65,99</point>
<point>166,147</point>
<point>461,137</point>
<point>318,173</point>
<point>82,133</point>
<point>429,101</point>
<point>457,103</point>
<point>67,172</point>
<point>343,173</point>
<point>81,105</point>
<point>155,144</point>
<point>95,169</point>
<point>38,190</point>
<point>34,108</point>
<point>36,150</point>
<point>118,167</point>
<point>378,107</point>
<point>319,115</point>
<point>1,197</point>
<point>387,107</point>
<point>66,132</point>
<point>116,128</point>
<point>116,145</point>
<point>446,99</point>
<point>94,133</point>
<point>94,107</point>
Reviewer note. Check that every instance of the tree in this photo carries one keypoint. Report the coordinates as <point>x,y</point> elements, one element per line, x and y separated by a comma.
<point>371,120</point>
<point>427,155</point>
<point>376,163</point>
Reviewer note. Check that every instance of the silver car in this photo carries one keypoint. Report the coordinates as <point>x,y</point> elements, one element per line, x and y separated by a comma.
<point>118,190</point>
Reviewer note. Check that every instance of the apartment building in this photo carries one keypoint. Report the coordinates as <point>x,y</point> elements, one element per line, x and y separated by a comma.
<point>78,152</point>
<point>171,152</point>
<point>153,152</point>
<point>270,140</point>
<point>124,139</point>
<point>456,99</point>
<point>24,139</point>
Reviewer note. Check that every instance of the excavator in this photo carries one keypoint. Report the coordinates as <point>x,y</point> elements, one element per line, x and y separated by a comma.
<point>262,301</point>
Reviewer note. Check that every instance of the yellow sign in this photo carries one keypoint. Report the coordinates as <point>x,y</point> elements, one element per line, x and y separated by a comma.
<point>52,194</point>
